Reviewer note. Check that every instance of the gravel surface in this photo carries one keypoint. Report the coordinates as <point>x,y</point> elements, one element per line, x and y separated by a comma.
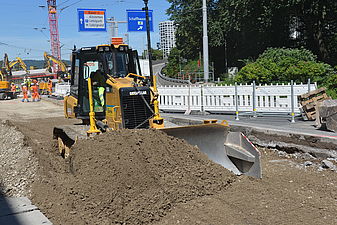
<point>18,164</point>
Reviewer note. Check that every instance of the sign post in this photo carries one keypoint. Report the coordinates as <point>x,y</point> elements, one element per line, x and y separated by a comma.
<point>91,20</point>
<point>137,20</point>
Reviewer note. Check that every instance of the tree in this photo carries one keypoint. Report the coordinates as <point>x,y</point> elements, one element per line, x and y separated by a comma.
<point>174,61</point>
<point>317,23</point>
<point>156,54</point>
<point>241,29</point>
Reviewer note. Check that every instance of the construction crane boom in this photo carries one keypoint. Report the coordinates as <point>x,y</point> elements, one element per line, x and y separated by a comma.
<point>54,33</point>
<point>62,72</point>
<point>6,69</point>
<point>62,66</point>
<point>19,61</point>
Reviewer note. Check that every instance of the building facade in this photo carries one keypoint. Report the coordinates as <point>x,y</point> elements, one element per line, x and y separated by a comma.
<point>167,37</point>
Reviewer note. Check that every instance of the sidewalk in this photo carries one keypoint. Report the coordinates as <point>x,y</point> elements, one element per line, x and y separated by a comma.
<point>20,211</point>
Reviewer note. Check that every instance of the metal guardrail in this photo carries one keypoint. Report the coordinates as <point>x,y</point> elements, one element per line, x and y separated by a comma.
<point>173,80</point>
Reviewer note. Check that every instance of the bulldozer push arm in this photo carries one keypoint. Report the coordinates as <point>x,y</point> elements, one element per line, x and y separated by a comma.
<point>232,150</point>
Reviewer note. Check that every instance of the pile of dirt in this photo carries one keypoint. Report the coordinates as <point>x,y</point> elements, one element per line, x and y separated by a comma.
<point>136,177</point>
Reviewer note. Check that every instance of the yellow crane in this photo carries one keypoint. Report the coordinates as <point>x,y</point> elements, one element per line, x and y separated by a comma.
<point>63,72</point>
<point>9,65</point>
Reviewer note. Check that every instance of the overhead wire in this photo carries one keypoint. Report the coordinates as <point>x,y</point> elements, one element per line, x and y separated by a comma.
<point>19,47</point>
<point>62,3</point>
<point>70,5</point>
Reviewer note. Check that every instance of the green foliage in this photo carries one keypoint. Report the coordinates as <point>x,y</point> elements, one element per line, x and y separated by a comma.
<point>281,54</point>
<point>331,85</point>
<point>284,65</point>
<point>174,61</point>
<point>177,64</point>
<point>226,79</point>
<point>157,54</point>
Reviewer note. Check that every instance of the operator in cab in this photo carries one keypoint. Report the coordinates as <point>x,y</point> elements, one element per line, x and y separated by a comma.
<point>98,79</point>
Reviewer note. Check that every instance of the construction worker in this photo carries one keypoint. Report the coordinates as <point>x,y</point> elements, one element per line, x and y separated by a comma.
<point>25,93</point>
<point>27,81</point>
<point>50,86</point>
<point>35,90</point>
<point>99,82</point>
<point>34,82</point>
<point>13,88</point>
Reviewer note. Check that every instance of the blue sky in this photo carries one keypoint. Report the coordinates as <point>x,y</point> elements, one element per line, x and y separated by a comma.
<point>19,18</point>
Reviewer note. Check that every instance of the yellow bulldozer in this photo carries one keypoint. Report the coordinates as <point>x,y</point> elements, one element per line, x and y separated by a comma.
<point>108,93</point>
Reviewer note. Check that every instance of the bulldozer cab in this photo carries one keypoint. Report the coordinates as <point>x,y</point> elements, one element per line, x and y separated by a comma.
<point>99,63</point>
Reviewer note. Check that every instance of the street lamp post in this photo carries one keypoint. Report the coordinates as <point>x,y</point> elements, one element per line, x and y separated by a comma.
<point>146,8</point>
<point>205,40</point>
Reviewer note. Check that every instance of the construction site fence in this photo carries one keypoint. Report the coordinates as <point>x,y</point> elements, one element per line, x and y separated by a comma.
<point>62,89</point>
<point>279,98</point>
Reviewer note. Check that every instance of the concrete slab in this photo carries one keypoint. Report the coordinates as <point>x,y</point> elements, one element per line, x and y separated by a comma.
<point>20,211</point>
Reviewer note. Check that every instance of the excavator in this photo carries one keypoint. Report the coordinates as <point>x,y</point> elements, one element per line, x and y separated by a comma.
<point>5,89</point>
<point>19,61</point>
<point>6,76</point>
<point>63,72</point>
<point>108,93</point>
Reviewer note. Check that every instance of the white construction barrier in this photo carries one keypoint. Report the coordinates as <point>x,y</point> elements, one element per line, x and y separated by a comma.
<point>221,99</point>
<point>61,89</point>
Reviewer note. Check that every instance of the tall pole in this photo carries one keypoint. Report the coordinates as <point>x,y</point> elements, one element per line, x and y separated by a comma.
<point>236,102</point>
<point>114,26</point>
<point>146,8</point>
<point>205,40</point>
<point>292,102</point>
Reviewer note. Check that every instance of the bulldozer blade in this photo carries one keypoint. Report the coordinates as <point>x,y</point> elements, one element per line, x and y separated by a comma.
<point>232,150</point>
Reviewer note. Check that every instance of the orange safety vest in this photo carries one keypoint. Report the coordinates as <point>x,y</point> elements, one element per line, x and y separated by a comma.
<point>34,88</point>
<point>24,89</point>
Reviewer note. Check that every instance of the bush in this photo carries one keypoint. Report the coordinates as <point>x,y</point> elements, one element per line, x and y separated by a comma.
<point>283,65</point>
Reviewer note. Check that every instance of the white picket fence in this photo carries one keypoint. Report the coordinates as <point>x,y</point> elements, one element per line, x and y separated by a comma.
<point>221,99</point>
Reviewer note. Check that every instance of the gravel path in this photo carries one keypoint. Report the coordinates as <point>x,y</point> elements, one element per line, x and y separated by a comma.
<point>18,164</point>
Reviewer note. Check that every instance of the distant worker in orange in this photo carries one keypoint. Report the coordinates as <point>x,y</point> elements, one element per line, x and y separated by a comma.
<point>36,95</point>
<point>25,93</point>
<point>13,88</point>
<point>50,86</point>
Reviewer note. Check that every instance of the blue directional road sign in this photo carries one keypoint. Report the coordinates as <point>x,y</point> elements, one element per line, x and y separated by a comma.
<point>137,20</point>
<point>91,20</point>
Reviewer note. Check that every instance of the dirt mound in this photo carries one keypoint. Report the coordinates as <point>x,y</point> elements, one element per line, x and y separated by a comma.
<point>136,176</point>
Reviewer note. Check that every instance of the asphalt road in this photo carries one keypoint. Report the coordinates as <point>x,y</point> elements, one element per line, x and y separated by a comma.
<point>275,123</point>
